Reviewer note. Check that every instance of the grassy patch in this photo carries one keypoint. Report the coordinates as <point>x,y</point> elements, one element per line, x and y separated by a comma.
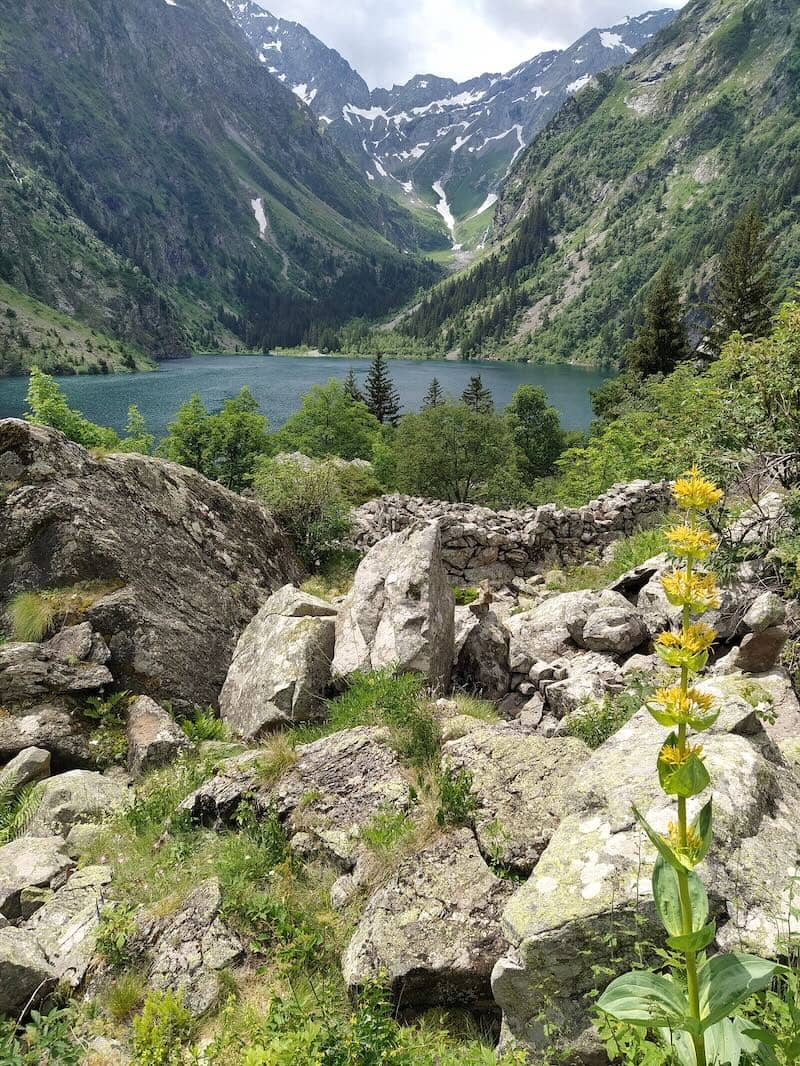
<point>35,615</point>
<point>334,577</point>
<point>594,722</point>
<point>628,553</point>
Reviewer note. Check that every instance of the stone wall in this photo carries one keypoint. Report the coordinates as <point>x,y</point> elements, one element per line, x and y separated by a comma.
<point>479,543</point>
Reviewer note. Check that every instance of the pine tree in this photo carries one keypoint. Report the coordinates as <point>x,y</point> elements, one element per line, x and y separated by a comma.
<point>380,394</point>
<point>661,342</point>
<point>434,396</point>
<point>351,386</point>
<point>477,397</point>
<point>742,300</point>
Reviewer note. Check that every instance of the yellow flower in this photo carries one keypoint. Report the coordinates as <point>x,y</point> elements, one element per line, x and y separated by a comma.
<point>695,638</point>
<point>694,841</point>
<point>672,755</point>
<point>696,493</point>
<point>684,540</point>
<point>698,592</point>
<point>673,706</point>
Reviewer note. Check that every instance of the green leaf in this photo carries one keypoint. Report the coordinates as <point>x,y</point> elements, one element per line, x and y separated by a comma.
<point>696,941</point>
<point>667,720</point>
<point>726,980</point>
<point>730,1038</point>
<point>666,892</point>
<point>703,722</point>
<point>661,845</point>
<point>702,826</point>
<point>648,999</point>
<point>688,779</point>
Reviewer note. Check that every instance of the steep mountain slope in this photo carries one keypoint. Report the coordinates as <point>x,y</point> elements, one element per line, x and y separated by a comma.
<point>433,140</point>
<point>648,163</point>
<point>158,184</point>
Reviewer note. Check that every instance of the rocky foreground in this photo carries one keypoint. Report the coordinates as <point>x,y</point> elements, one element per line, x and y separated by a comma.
<point>511,912</point>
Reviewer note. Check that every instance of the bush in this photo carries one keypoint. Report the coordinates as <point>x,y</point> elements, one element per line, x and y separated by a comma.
<point>594,722</point>
<point>456,801</point>
<point>162,1030</point>
<point>308,504</point>
<point>46,1038</point>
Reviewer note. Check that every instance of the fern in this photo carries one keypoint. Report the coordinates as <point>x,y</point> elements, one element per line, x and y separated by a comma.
<point>17,809</point>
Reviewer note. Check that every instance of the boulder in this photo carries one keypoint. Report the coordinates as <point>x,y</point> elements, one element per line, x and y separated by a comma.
<point>432,930</point>
<point>482,663</point>
<point>54,726</point>
<point>26,768</point>
<point>766,611</point>
<point>24,971</point>
<point>591,886</point>
<point>154,737</point>
<point>542,633</point>
<point>589,676</point>
<point>29,862</point>
<point>281,669</point>
<point>76,796</point>
<point>519,784</point>
<point>762,523</point>
<point>66,665</point>
<point>758,652</point>
<point>400,610</point>
<point>185,951</point>
<point>191,561</point>
<point>66,924</point>
<point>217,800</point>
<point>605,621</point>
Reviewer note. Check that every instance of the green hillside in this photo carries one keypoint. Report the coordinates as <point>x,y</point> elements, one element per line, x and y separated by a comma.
<point>159,185</point>
<point>651,162</point>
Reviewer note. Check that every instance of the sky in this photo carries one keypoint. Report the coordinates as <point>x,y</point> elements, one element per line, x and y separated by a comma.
<point>388,41</point>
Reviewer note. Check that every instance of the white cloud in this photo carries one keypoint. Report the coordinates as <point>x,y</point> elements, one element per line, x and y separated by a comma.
<point>391,40</point>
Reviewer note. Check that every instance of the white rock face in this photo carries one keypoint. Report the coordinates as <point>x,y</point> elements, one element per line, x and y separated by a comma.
<point>400,611</point>
<point>281,668</point>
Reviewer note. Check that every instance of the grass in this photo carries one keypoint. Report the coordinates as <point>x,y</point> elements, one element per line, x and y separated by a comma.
<point>595,721</point>
<point>628,553</point>
<point>35,615</point>
<point>335,576</point>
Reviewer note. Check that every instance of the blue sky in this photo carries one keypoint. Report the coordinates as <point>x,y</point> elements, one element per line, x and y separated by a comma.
<point>388,41</point>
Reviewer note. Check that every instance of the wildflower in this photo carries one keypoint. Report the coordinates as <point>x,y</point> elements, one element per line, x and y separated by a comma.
<point>686,540</point>
<point>672,707</point>
<point>693,846</point>
<point>672,754</point>
<point>687,648</point>
<point>694,492</point>
<point>698,592</point>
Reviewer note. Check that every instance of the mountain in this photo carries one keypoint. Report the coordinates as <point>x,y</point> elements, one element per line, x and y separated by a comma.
<point>650,162</point>
<point>435,141</point>
<point>158,185</point>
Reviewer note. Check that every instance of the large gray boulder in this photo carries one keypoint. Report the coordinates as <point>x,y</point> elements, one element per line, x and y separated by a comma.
<point>593,879</point>
<point>29,862</point>
<point>605,621</point>
<point>186,951</point>
<point>66,925</point>
<point>26,768</point>
<point>543,634</point>
<point>281,668</point>
<point>482,662</point>
<point>192,562</point>
<point>154,737</point>
<point>432,929</point>
<point>24,971</point>
<point>400,610</point>
<point>54,726</point>
<point>76,796</point>
<point>520,784</point>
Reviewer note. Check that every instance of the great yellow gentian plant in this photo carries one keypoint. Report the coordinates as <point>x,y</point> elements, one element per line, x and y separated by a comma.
<point>692,1007</point>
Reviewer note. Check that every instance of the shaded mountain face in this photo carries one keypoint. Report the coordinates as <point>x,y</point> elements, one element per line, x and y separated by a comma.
<point>651,162</point>
<point>433,140</point>
<point>157,182</point>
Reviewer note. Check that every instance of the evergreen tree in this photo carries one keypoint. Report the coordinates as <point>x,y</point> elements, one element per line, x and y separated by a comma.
<point>137,439</point>
<point>434,396</point>
<point>661,342</point>
<point>476,397</point>
<point>351,386</point>
<point>742,300</point>
<point>380,394</point>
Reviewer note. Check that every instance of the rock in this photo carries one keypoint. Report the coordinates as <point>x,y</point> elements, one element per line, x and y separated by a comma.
<point>594,876</point>
<point>66,925</point>
<point>53,726</point>
<point>633,581</point>
<point>655,609</point>
<point>217,800</point>
<point>336,788</point>
<point>617,629</point>
<point>482,663</point>
<point>589,676</point>
<point>770,696</point>
<point>433,929</point>
<point>26,768</point>
<point>758,652</point>
<point>29,862</point>
<point>76,796</point>
<point>400,610</point>
<point>31,899</point>
<point>281,668</point>
<point>185,951</point>
<point>34,672</point>
<point>542,633</point>
<point>765,612</point>
<point>154,737</point>
<point>24,971</point>
<point>519,782</point>
<point>191,561</point>
<point>762,523</point>
<point>81,838</point>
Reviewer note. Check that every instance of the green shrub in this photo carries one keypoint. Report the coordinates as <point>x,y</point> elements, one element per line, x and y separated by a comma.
<point>109,735</point>
<point>125,996</point>
<point>45,1038</point>
<point>387,830</point>
<point>464,596</point>
<point>457,804</point>
<point>162,1031</point>
<point>114,933</point>
<point>308,504</point>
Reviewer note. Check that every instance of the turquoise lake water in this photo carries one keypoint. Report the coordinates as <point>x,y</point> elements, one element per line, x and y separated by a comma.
<point>278,382</point>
